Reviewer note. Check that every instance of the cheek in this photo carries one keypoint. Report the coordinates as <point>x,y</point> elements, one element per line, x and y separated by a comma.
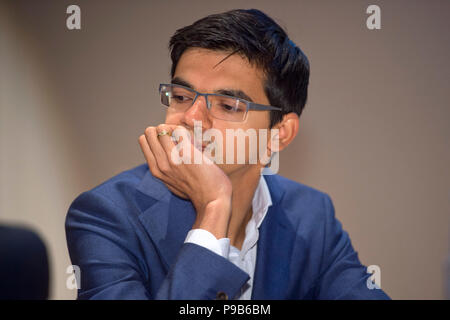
<point>243,147</point>
<point>258,119</point>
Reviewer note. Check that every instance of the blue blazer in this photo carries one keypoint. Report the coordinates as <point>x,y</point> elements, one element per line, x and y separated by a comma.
<point>127,236</point>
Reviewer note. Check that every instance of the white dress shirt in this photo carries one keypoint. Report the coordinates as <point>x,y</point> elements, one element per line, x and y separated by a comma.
<point>245,258</point>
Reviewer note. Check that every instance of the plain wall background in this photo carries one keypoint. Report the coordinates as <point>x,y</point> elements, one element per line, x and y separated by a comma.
<point>374,134</point>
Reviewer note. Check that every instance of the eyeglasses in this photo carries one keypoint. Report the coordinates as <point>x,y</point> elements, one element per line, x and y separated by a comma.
<point>223,107</point>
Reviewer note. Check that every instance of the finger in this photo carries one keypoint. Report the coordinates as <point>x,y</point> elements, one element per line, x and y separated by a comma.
<point>154,167</point>
<point>158,151</point>
<point>148,154</point>
<point>169,126</point>
<point>177,192</point>
<point>177,137</point>
<point>166,140</point>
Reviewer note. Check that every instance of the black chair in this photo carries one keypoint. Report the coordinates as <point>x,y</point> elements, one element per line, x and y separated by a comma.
<point>24,266</point>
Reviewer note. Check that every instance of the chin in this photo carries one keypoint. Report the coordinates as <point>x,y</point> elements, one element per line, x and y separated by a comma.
<point>230,169</point>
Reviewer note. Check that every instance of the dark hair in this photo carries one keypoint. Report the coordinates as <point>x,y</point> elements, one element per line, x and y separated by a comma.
<point>263,42</point>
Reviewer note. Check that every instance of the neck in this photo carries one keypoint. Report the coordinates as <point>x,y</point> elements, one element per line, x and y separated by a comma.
<point>244,184</point>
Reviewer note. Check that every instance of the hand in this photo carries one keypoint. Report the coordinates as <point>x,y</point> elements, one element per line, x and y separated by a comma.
<point>205,184</point>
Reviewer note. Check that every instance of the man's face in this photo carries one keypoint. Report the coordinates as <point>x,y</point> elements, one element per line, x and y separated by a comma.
<point>200,68</point>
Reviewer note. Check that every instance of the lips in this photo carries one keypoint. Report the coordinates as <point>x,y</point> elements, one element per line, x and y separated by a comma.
<point>204,144</point>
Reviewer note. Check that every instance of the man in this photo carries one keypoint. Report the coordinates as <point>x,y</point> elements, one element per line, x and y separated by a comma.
<point>215,229</point>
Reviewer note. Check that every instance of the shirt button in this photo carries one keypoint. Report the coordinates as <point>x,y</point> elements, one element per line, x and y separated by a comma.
<point>221,296</point>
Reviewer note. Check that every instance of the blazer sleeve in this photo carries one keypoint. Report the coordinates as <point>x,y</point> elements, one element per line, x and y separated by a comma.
<point>342,274</point>
<point>104,244</point>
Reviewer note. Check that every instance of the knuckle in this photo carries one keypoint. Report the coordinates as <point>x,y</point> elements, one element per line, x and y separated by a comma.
<point>154,170</point>
<point>160,127</point>
<point>165,168</point>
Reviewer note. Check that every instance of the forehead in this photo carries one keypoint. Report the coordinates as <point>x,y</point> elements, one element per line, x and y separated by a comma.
<point>209,70</point>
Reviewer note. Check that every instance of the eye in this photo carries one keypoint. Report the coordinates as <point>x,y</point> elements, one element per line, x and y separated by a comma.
<point>227,107</point>
<point>180,99</point>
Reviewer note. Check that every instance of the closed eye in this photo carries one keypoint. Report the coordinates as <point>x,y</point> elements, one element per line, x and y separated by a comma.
<point>229,108</point>
<point>180,99</point>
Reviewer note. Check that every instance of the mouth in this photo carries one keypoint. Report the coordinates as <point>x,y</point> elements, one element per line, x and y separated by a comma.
<point>201,147</point>
<point>205,145</point>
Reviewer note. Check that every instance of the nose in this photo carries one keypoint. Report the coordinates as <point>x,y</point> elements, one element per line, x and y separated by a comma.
<point>198,111</point>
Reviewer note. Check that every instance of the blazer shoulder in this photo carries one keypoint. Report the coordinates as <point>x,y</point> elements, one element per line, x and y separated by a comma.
<point>114,187</point>
<point>118,189</point>
<point>302,203</point>
<point>108,201</point>
<point>300,191</point>
<point>129,177</point>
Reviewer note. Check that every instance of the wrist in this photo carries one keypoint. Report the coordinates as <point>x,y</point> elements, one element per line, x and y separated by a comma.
<point>215,216</point>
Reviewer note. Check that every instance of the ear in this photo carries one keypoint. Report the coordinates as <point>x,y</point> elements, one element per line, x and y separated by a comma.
<point>287,130</point>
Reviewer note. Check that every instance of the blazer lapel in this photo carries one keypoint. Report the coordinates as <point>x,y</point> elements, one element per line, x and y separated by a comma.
<point>275,244</point>
<point>166,217</point>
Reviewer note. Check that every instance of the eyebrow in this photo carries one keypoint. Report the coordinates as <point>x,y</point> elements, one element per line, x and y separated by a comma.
<point>225,91</point>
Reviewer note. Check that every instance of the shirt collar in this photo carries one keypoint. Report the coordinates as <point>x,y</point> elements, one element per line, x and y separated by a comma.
<point>261,202</point>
